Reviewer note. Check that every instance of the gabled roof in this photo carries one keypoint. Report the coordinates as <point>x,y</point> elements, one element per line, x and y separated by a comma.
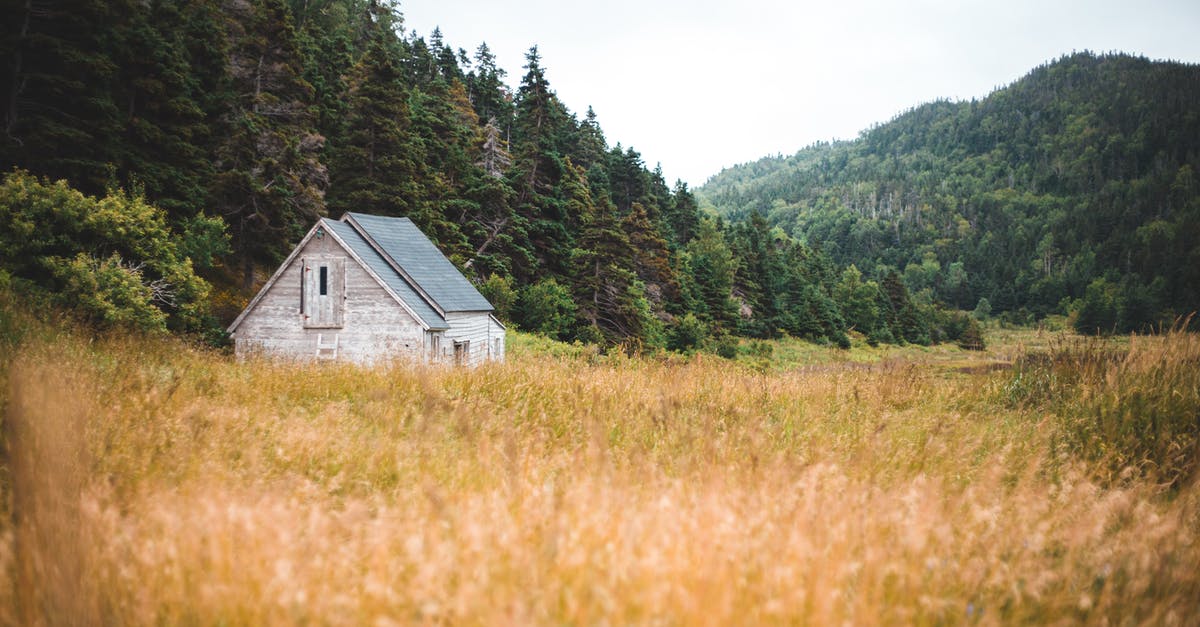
<point>375,265</point>
<point>417,305</point>
<point>416,259</point>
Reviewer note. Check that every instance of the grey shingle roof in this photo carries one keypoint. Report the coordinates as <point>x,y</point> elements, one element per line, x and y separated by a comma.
<point>363,249</point>
<point>421,261</point>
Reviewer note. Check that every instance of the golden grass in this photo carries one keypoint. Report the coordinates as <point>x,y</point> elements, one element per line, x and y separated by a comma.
<point>154,483</point>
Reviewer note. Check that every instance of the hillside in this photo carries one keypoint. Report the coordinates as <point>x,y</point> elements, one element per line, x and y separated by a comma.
<point>1073,189</point>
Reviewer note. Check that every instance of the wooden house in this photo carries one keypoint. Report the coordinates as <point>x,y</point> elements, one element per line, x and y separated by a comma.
<point>369,289</point>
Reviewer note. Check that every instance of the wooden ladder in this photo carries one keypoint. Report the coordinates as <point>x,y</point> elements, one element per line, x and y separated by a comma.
<point>327,351</point>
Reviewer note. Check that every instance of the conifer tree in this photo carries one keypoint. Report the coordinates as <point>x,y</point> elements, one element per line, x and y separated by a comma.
<point>166,141</point>
<point>652,260</point>
<point>540,125</point>
<point>377,167</point>
<point>682,215</point>
<point>270,184</point>
<point>901,314</point>
<point>712,268</point>
<point>612,301</point>
<point>59,115</point>
<point>486,89</point>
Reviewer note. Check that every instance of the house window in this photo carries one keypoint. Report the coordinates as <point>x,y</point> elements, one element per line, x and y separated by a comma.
<point>462,352</point>
<point>495,347</point>
<point>435,346</point>
<point>323,292</point>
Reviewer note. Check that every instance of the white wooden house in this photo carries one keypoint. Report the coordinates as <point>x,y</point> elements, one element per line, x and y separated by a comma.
<point>369,289</point>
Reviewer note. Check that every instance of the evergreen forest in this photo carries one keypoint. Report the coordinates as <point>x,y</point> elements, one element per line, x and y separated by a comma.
<point>1072,191</point>
<point>161,158</point>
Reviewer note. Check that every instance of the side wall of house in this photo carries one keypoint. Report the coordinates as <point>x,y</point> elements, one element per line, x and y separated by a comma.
<point>477,328</point>
<point>374,327</point>
<point>499,343</point>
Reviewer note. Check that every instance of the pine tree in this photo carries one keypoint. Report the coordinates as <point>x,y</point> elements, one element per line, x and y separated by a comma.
<point>60,117</point>
<point>377,167</point>
<point>901,314</point>
<point>165,55</point>
<point>683,215</point>
<point>712,267</point>
<point>652,260</point>
<point>612,301</point>
<point>757,276</point>
<point>487,92</point>
<point>540,126</point>
<point>270,183</point>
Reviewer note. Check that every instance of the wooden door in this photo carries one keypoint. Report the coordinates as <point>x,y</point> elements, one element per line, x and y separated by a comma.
<point>323,292</point>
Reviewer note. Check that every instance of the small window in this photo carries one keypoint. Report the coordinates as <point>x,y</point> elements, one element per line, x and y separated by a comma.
<point>462,352</point>
<point>324,280</point>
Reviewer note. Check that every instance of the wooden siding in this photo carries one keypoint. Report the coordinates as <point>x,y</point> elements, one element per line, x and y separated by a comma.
<point>479,330</point>
<point>374,327</point>
<point>498,343</point>
<point>323,291</point>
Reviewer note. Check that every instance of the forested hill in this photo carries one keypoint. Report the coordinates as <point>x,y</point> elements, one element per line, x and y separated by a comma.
<point>1074,189</point>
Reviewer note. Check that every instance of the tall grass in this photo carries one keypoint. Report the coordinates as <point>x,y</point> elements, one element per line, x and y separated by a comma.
<point>178,486</point>
<point>1136,408</point>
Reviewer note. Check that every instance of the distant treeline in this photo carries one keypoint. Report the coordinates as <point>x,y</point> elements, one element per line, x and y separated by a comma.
<point>1074,190</point>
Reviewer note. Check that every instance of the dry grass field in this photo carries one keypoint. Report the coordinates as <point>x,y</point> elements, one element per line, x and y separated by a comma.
<point>150,482</point>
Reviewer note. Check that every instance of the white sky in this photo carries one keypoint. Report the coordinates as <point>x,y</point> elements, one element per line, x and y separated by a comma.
<point>700,85</point>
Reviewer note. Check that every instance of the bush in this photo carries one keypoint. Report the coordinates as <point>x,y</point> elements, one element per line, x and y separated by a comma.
<point>498,289</point>
<point>687,333</point>
<point>723,345</point>
<point>972,337</point>
<point>547,308</point>
<point>983,310</point>
<point>112,259</point>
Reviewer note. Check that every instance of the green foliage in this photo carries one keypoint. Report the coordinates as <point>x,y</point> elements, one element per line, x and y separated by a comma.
<point>110,291</point>
<point>983,310</point>
<point>1082,170</point>
<point>1098,312</point>
<point>687,333</point>
<point>710,269</point>
<point>271,182</point>
<point>971,337</point>
<point>547,308</point>
<point>499,291</point>
<point>114,259</point>
<point>722,344</point>
<point>246,121</point>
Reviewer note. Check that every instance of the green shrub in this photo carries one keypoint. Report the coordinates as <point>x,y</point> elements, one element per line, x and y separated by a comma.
<point>546,307</point>
<point>111,259</point>
<point>498,289</point>
<point>687,333</point>
<point>971,337</point>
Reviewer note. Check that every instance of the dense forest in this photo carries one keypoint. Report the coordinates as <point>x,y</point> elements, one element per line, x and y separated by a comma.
<point>1072,191</point>
<point>163,157</point>
<point>160,158</point>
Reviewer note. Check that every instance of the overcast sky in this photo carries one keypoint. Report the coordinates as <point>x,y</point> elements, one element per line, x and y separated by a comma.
<point>699,85</point>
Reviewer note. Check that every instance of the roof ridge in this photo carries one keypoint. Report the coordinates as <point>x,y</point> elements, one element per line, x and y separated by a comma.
<point>415,257</point>
<point>394,263</point>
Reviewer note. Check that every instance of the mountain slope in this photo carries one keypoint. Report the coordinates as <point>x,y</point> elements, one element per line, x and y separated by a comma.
<point>1073,189</point>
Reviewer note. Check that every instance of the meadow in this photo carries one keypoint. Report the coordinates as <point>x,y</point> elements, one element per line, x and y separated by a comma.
<point>1050,479</point>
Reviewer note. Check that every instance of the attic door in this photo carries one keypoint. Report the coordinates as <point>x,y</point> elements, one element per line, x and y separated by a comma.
<point>323,292</point>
